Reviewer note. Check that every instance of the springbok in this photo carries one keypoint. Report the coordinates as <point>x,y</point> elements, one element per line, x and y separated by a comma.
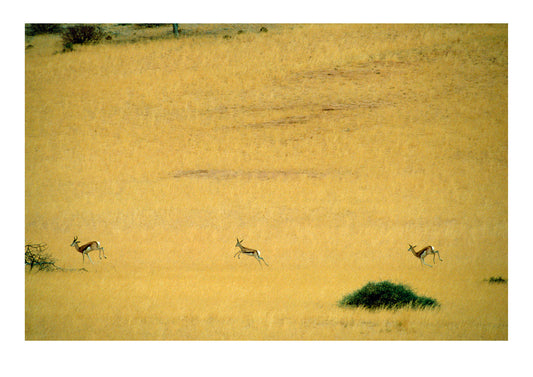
<point>87,248</point>
<point>421,254</point>
<point>250,252</point>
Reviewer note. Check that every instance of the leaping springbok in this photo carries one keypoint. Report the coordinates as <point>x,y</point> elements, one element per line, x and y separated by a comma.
<point>87,248</point>
<point>421,254</point>
<point>250,252</point>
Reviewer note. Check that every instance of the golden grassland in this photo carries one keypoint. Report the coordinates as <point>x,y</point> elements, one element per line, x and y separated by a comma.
<point>329,148</point>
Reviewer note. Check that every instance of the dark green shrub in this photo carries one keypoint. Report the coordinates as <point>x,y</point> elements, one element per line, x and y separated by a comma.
<point>35,29</point>
<point>497,279</point>
<point>68,47</point>
<point>81,34</point>
<point>386,295</point>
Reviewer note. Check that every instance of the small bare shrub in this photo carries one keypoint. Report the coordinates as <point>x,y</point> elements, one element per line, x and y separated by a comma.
<point>36,256</point>
<point>81,34</point>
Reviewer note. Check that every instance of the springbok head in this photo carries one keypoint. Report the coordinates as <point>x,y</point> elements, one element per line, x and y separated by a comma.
<point>75,241</point>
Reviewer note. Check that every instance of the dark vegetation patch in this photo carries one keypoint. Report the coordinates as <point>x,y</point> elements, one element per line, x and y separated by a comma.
<point>36,29</point>
<point>387,295</point>
<point>72,34</point>
<point>36,256</point>
<point>497,280</point>
<point>147,26</point>
<point>81,34</point>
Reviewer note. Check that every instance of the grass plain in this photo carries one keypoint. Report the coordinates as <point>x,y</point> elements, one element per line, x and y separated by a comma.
<point>329,148</point>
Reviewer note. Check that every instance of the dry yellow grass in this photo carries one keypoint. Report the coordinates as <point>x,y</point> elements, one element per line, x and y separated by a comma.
<point>327,147</point>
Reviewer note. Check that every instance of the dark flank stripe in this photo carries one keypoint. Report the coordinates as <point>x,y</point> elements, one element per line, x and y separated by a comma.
<point>420,252</point>
<point>84,247</point>
<point>247,250</point>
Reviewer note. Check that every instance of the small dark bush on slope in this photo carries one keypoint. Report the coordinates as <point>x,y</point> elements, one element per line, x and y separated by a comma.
<point>36,256</point>
<point>497,279</point>
<point>36,29</point>
<point>81,34</point>
<point>386,295</point>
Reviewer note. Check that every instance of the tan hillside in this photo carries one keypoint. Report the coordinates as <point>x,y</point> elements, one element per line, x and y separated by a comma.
<point>330,148</point>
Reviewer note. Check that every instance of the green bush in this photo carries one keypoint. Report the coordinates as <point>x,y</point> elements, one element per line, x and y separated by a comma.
<point>386,295</point>
<point>497,279</point>
<point>35,29</point>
